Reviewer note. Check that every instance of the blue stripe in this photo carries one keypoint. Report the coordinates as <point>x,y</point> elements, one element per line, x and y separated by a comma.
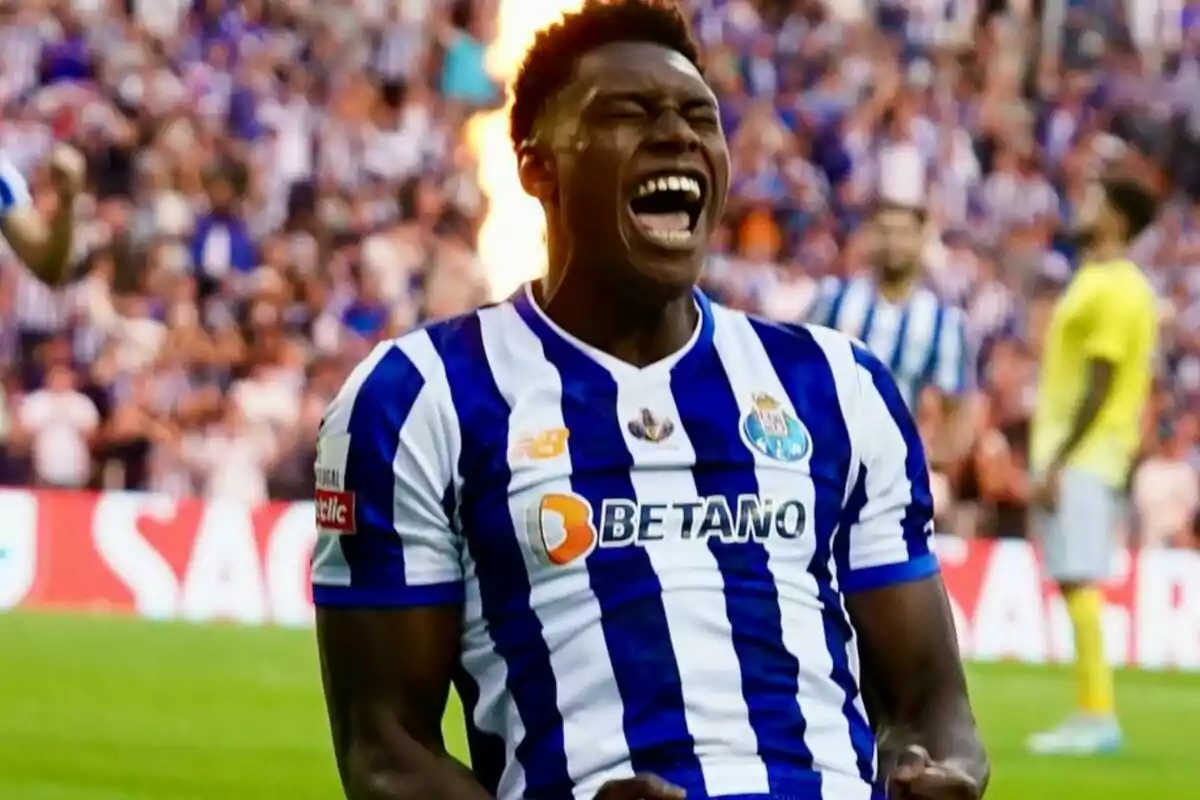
<point>709,415</point>
<point>931,363</point>
<point>7,198</point>
<point>807,378</point>
<point>851,513</point>
<point>623,580</point>
<point>912,387</point>
<point>374,551</point>
<point>869,321</point>
<point>901,335</point>
<point>835,308</point>
<point>919,510</point>
<point>492,542</point>
<point>391,595</point>
<point>960,333</point>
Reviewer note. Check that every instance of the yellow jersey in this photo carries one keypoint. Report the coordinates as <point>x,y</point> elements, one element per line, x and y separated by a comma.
<point>1109,311</point>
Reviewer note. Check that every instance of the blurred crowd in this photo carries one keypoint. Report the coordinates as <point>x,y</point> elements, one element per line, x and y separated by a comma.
<point>274,186</point>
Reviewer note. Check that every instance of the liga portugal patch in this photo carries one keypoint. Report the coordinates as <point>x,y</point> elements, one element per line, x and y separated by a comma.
<point>335,511</point>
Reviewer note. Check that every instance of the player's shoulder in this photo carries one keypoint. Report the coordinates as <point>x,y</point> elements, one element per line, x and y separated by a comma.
<point>1121,281</point>
<point>853,377</point>
<point>1131,277</point>
<point>802,341</point>
<point>398,374</point>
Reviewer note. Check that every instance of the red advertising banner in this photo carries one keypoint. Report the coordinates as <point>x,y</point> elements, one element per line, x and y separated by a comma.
<point>159,558</point>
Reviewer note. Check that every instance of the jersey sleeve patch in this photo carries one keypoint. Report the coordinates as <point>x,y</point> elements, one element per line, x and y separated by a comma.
<point>334,504</point>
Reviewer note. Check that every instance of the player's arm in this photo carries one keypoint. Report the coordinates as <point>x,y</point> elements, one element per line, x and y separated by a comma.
<point>387,583</point>
<point>1099,377</point>
<point>44,245</point>
<point>1110,318</point>
<point>912,673</point>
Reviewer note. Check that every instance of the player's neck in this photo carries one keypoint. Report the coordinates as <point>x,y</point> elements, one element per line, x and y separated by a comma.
<point>608,321</point>
<point>896,289</point>
<point>1105,250</point>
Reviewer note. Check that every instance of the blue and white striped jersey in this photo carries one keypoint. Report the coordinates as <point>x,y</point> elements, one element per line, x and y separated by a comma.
<point>922,340</point>
<point>652,562</point>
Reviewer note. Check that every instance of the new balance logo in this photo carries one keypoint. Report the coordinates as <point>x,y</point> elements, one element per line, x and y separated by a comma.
<point>543,445</point>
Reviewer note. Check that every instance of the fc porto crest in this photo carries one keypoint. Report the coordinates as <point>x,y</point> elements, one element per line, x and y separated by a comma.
<point>649,428</point>
<point>773,431</point>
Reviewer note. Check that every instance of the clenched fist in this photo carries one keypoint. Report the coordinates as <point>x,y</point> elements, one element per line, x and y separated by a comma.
<point>67,170</point>
<point>919,777</point>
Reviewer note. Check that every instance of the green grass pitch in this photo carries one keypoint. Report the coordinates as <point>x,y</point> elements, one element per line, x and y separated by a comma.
<point>97,708</point>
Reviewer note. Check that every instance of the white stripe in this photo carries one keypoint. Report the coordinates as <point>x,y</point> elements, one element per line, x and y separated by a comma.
<point>922,320</point>
<point>562,599</point>
<point>950,352</point>
<point>828,732</point>
<point>717,715</point>
<point>885,326</point>
<point>840,355</point>
<point>856,302</point>
<point>427,457</point>
<point>878,539</point>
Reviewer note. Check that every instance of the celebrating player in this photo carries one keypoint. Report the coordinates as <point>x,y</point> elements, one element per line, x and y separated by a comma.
<point>43,245</point>
<point>649,538</point>
<point>1095,380</point>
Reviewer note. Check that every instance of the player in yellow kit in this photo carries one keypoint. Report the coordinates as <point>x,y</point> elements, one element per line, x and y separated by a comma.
<point>1096,370</point>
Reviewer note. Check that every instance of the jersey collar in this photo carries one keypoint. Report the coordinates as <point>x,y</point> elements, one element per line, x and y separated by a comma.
<point>554,337</point>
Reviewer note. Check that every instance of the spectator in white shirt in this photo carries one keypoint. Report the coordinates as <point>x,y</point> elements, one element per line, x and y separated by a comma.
<point>1166,494</point>
<point>56,424</point>
<point>231,459</point>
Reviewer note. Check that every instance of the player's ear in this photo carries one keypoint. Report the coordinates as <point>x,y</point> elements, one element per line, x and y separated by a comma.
<point>537,177</point>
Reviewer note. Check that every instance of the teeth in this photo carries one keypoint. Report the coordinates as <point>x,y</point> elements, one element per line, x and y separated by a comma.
<point>670,237</point>
<point>670,183</point>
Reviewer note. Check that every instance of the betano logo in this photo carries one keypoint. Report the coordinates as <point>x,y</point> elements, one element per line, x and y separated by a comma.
<point>562,528</point>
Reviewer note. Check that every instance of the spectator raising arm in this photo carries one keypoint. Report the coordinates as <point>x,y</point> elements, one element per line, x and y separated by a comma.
<point>43,243</point>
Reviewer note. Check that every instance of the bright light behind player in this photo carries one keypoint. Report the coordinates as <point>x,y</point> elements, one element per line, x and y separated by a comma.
<point>511,241</point>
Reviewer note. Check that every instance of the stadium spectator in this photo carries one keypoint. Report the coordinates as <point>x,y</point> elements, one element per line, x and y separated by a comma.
<point>56,424</point>
<point>1166,497</point>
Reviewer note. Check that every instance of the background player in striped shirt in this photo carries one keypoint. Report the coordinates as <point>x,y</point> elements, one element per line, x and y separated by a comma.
<point>647,535</point>
<point>920,337</point>
<point>43,244</point>
<point>1097,366</point>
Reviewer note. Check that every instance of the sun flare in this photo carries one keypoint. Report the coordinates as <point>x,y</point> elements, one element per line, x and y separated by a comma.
<point>511,238</point>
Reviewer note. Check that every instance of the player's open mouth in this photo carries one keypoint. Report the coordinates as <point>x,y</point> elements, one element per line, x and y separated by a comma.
<point>667,206</point>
